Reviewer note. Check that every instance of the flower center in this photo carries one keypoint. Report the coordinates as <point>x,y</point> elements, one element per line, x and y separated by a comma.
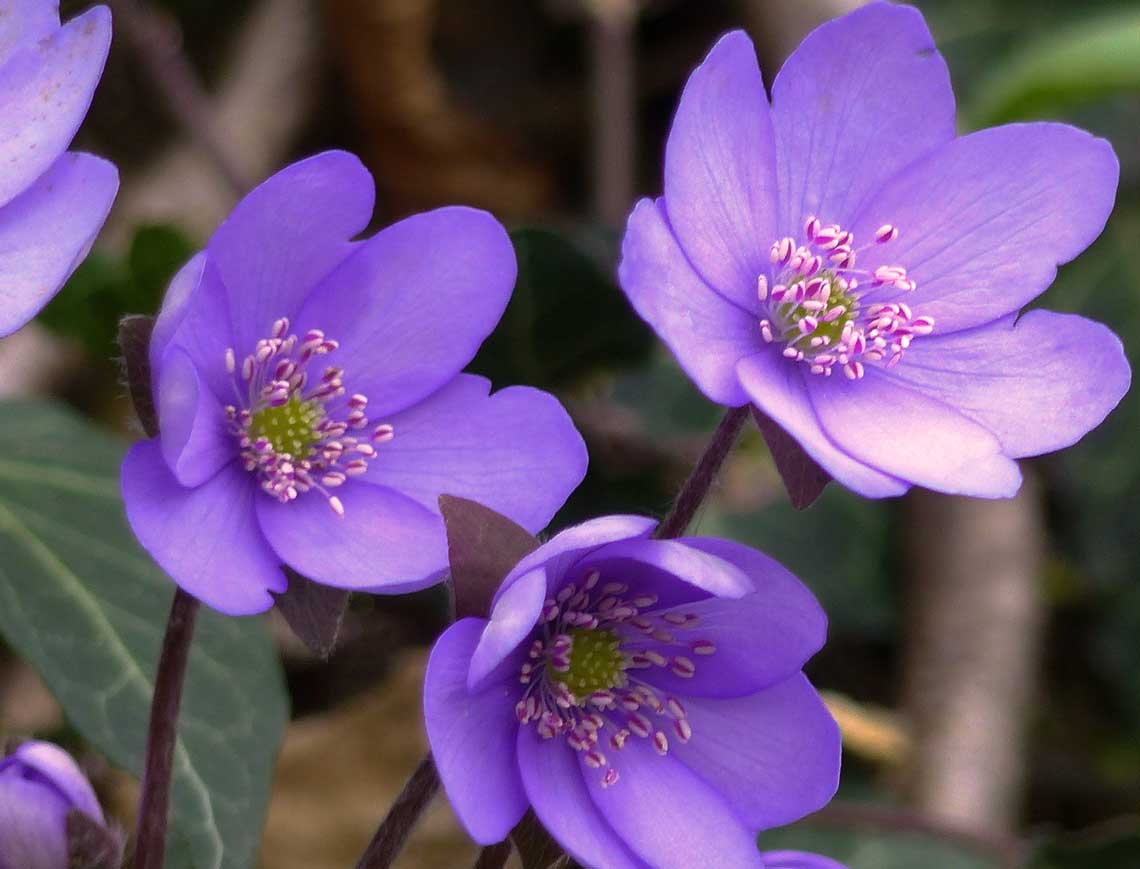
<point>582,674</point>
<point>292,427</point>
<point>595,662</point>
<point>813,303</point>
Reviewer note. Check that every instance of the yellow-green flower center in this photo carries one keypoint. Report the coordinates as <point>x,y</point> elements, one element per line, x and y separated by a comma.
<point>595,662</point>
<point>290,427</point>
<point>792,312</point>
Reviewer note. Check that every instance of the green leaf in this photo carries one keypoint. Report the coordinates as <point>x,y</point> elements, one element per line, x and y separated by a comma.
<point>104,288</point>
<point>1115,846</point>
<point>878,849</point>
<point>1084,60</point>
<point>85,606</point>
<point>566,320</point>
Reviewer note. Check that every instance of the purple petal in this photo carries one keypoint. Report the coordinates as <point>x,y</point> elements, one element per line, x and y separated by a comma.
<point>556,789</point>
<point>513,617</point>
<point>194,439</point>
<point>798,860</point>
<point>671,569</point>
<point>46,231</point>
<point>413,303</point>
<point>285,236</point>
<point>774,755</point>
<point>33,825</point>
<point>564,549</point>
<point>667,815</point>
<point>706,333</point>
<point>206,538</point>
<point>516,451</point>
<point>472,738</point>
<point>984,221</point>
<point>760,639</point>
<point>58,767</point>
<point>25,22</point>
<point>861,97</point>
<point>1039,385</point>
<point>194,318</point>
<point>902,432</point>
<point>385,542</point>
<point>720,171</point>
<point>45,88</point>
<point>777,387</point>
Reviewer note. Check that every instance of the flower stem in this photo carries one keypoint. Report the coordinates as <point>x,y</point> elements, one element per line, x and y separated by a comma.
<point>154,801</point>
<point>402,817</point>
<point>696,488</point>
<point>494,856</point>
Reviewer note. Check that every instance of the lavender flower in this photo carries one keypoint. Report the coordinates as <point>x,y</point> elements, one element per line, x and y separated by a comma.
<point>52,202</point>
<point>39,785</point>
<point>844,263</point>
<point>643,696</point>
<point>269,454</point>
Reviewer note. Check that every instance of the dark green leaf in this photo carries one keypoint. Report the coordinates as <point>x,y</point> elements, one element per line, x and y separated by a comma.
<point>85,606</point>
<point>566,320</point>
<point>1083,60</point>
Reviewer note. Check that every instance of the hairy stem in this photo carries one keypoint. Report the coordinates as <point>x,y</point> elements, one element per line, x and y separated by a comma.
<point>402,817</point>
<point>494,856</point>
<point>696,488</point>
<point>154,801</point>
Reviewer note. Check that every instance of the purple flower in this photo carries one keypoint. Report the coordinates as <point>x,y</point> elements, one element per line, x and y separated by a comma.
<point>843,262</point>
<point>52,201</point>
<point>643,696</point>
<point>310,402</point>
<point>39,785</point>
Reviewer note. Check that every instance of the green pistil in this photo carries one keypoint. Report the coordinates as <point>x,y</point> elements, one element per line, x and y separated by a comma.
<point>791,313</point>
<point>595,662</point>
<point>289,428</point>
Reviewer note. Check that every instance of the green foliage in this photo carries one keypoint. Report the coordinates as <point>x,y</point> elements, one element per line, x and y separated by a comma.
<point>85,606</point>
<point>566,320</point>
<point>104,288</point>
<point>1116,846</point>
<point>1083,60</point>
<point>868,849</point>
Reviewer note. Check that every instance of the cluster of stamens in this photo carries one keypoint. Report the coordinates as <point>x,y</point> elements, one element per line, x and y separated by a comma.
<point>581,676</point>
<point>292,425</point>
<point>814,305</point>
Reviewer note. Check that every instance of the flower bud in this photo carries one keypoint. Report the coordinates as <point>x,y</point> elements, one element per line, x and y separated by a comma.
<point>40,785</point>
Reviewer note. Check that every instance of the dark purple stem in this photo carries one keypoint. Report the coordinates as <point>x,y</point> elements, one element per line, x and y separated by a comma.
<point>154,801</point>
<point>494,856</point>
<point>410,804</point>
<point>696,488</point>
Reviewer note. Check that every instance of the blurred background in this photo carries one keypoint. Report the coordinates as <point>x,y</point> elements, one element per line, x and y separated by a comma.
<point>984,658</point>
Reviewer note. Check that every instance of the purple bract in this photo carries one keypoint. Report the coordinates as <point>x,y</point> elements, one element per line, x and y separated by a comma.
<point>844,262</point>
<point>52,201</point>
<point>39,785</point>
<point>644,696</point>
<point>311,404</point>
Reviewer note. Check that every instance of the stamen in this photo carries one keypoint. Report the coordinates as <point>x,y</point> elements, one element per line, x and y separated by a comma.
<point>812,303</point>
<point>287,433</point>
